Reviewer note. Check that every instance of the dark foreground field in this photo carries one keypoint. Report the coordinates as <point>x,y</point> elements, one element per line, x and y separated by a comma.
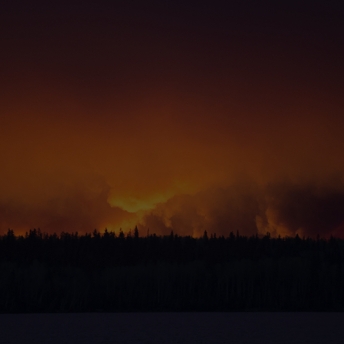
<point>173,328</point>
<point>129,273</point>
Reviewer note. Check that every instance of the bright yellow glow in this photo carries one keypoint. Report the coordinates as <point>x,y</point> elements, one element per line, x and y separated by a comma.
<point>136,204</point>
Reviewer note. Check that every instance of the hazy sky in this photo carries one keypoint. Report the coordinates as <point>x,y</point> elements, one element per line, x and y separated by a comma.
<point>172,115</point>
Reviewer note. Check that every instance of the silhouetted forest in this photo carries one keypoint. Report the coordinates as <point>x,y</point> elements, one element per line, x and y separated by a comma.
<point>125,272</point>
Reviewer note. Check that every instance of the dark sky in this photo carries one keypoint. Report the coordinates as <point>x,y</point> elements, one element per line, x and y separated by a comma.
<point>183,115</point>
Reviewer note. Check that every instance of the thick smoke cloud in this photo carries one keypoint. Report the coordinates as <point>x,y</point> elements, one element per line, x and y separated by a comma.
<point>306,209</point>
<point>284,209</point>
<point>216,210</point>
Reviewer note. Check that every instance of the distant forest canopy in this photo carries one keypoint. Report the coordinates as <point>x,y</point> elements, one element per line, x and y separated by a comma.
<point>144,232</point>
<point>126,272</point>
<point>111,248</point>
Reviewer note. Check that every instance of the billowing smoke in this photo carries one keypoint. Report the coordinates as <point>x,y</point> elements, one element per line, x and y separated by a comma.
<point>305,209</point>
<point>283,208</point>
<point>280,208</point>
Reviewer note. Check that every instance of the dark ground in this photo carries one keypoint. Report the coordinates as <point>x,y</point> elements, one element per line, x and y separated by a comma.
<point>173,328</point>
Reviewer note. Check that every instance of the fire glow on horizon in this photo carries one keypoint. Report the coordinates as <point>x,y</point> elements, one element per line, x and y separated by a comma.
<point>118,118</point>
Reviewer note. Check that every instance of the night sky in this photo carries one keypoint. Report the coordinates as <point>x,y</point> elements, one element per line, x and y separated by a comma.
<point>172,115</point>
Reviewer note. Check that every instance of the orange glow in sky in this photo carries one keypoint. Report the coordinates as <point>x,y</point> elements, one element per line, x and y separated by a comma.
<point>116,120</point>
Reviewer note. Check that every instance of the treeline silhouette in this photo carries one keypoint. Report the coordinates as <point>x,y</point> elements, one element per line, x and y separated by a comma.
<point>106,272</point>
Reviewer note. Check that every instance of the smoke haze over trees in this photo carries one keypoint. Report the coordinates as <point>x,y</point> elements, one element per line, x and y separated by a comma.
<point>281,208</point>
